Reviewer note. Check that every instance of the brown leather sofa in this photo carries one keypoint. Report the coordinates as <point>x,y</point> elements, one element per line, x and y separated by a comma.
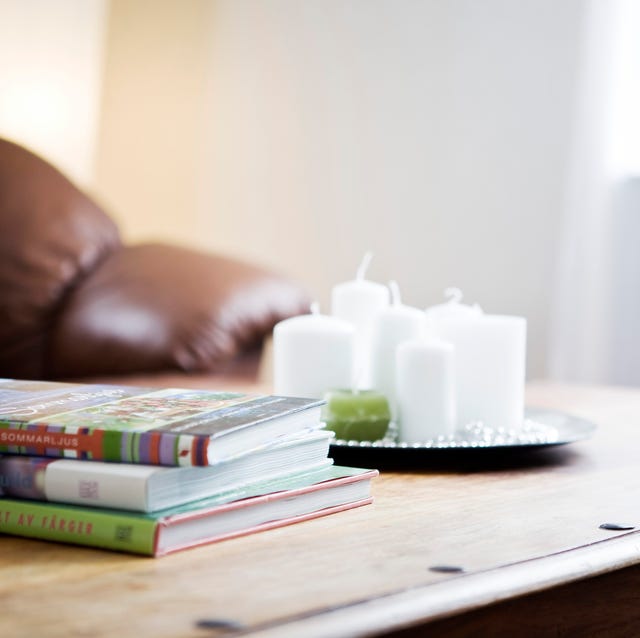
<point>76,302</point>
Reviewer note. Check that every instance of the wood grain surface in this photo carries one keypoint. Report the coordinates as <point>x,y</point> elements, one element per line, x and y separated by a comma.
<point>512,525</point>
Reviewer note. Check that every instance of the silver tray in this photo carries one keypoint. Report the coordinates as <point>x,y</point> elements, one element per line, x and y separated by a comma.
<point>541,428</point>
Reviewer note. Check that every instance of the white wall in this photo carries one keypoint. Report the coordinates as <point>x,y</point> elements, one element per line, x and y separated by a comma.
<point>51,77</point>
<point>300,133</point>
<point>433,133</point>
<point>153,115</point>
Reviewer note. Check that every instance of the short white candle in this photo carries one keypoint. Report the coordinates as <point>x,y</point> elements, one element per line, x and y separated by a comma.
<point>359,301</point>
<point>312,354</point>
<point>425,393</point>
<point>392,326</point>
<point>490,353</point>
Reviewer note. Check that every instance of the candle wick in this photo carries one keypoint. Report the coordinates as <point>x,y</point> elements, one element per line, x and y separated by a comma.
<point>453,295</point>
<point>357,380</point>
<point>364,265</point>
<point>315,308</point>
<point>395,293</point>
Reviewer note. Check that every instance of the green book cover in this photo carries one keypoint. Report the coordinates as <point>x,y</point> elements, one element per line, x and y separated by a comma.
<point>250,509</point>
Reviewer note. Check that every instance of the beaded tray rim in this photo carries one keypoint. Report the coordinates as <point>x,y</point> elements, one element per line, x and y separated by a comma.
<point>541,427</point>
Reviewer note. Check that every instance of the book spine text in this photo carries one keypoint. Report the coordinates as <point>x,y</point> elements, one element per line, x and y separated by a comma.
<point>149,448</point>
<point>66,524</point>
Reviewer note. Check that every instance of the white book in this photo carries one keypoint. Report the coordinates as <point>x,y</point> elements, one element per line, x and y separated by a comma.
<point>148,488</point>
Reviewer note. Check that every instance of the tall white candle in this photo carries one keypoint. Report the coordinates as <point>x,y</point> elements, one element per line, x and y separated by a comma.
<point>392,326</point>
<point>425,377</point>
<point>359,301</point>
<point>490,352</point>
<point>312,354</point>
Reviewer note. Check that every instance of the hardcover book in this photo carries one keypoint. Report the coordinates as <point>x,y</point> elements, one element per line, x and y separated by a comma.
<point>147,488</point>
<point>252,509</point>
<point>143,425</point>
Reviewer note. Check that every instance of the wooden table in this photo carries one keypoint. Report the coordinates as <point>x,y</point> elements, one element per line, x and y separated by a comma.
<point>525,533</point>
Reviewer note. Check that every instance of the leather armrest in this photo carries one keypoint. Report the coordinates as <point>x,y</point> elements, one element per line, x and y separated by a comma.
<point>51,236</point>
<point>157,307</point>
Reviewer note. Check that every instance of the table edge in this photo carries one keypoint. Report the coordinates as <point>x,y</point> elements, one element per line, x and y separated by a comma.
<point>460,593</point>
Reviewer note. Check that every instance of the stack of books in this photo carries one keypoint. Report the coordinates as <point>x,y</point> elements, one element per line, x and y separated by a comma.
<point>153,471</point>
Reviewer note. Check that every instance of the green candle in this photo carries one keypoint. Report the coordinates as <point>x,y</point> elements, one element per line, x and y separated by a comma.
<point>356,416</point>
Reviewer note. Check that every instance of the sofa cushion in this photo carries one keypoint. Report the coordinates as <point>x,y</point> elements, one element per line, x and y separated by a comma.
<point>51,235</point>
<point>156,307</point>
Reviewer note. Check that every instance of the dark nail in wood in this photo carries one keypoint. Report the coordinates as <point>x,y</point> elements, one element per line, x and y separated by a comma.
<point>615,526</point>
<point>218,623</point>
<point>446,569</point>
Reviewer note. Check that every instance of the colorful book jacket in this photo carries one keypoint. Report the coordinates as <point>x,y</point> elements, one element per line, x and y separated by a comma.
<point>255,508</point>
<point>143,425</point>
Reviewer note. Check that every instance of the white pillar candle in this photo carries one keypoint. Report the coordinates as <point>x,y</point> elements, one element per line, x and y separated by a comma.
<point>490,352</point>
<point>392,326</point>
<point>425,390</point>
<point>312,354</point>
<point>359,301</point>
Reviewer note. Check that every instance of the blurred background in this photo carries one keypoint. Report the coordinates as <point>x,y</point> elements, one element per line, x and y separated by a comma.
<point>490,145</point>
